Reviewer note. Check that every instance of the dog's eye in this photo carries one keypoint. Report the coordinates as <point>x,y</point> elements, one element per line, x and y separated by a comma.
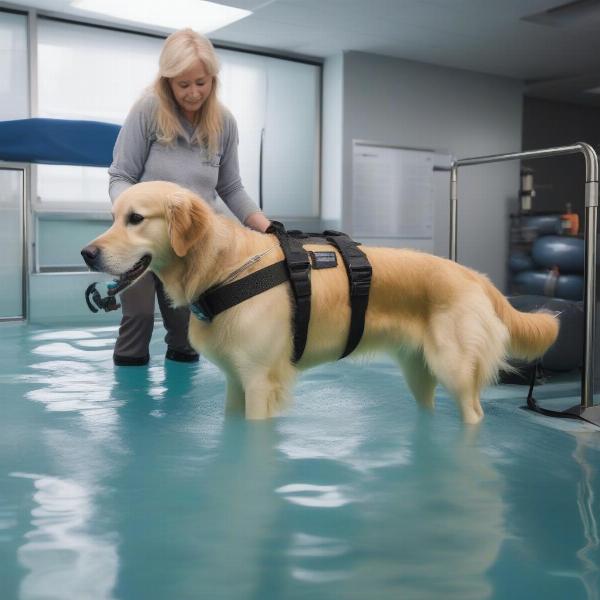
<point>135,219</point>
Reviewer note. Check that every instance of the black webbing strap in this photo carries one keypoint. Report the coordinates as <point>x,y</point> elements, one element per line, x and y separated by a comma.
<point>533,405</point>
<point>298,265</point>
<point>216,300</point>
<point>359,273</point>
<point>296,268</point>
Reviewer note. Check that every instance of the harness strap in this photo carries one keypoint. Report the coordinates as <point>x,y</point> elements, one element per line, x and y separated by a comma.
<point>296,268</point>
<point>298,265</point>
<point>359,273</point>
<point>216,300</point>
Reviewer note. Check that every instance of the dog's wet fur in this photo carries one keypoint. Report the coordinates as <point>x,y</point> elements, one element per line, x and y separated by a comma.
<point>442,322</point>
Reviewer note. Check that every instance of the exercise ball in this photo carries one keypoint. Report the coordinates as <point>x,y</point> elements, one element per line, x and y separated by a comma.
<point>546,283</point>
<point>520,261</point>
<point>566,253</point>
<point>542,224</point>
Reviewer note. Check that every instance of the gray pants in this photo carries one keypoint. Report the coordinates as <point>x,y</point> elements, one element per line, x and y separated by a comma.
<point>137,322</point>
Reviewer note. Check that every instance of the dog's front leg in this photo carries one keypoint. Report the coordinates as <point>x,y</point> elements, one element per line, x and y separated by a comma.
<point>266,392</point>
<point>234,404</point>
<point>259,393</point>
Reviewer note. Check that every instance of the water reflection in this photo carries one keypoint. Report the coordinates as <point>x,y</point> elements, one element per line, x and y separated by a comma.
<point>553,489</point>
<point>588,554</point>
<point>316,496</point>
<point>70,552</point>
<point>433,528</point>
<point>411,508</point>
<point>63,559</point>
<point>77,387</point>
<point>63,334</point>
<point>316,546</point>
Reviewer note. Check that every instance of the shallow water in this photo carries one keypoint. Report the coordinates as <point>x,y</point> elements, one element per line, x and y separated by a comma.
<point>129,483</point>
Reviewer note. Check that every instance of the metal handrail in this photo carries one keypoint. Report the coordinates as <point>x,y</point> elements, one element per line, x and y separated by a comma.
<point>591,228</point>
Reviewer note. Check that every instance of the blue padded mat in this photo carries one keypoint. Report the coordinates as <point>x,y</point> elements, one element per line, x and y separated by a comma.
<point>58,141</point>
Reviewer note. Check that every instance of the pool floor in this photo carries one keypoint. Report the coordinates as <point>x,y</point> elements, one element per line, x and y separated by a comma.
<point>129,483</point>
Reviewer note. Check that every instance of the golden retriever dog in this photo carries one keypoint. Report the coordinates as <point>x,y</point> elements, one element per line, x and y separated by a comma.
<point>441,321</point>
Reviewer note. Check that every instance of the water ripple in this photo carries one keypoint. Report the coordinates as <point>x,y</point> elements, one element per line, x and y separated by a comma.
<point>68,350</point>
<point>314,546</point>
<point>315,496</point>
<point>63,558</point>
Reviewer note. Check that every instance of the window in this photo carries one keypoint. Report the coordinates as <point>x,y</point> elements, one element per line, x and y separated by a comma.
<point>14,87</point>
<point>276,104</point>
<point>291,144</point>
<point>87,73</point>
<point>92,73</point>
<point>244,92</point>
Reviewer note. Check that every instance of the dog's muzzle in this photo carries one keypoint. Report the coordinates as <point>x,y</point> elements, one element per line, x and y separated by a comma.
<point>91,256</point>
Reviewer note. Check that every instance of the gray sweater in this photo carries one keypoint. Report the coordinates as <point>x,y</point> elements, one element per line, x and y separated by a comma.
<point>138,156</point>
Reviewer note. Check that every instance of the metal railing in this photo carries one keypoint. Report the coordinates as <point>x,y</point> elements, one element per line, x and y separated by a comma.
<point>591,228</point>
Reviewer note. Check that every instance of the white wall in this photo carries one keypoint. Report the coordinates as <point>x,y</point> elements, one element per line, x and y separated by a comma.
<point>404,103</point>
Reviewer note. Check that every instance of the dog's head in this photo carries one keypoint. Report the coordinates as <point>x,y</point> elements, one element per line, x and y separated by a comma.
<point>155,223</point>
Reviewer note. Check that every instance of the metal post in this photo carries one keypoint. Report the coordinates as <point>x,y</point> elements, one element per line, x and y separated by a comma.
<point>589,303</point>
<point>453,254</point>
<point>591,225</point>
<point>586,410</point>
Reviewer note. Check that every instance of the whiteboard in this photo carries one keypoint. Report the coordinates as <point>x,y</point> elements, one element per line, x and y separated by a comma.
<point>392,191</point>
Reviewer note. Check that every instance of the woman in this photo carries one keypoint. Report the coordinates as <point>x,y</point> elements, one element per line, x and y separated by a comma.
<point>177,132</point>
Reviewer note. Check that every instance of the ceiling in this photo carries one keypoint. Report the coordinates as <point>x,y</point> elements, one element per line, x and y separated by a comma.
<point>553,45</point>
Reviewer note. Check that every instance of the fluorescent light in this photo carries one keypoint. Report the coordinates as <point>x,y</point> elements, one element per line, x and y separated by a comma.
<point>595,90</point>
<point>200,15</point>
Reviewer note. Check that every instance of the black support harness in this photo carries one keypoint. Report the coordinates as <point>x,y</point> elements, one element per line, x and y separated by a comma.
<point>296,268</point>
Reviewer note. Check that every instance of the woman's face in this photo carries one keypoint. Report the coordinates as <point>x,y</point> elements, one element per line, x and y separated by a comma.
<point>191,88</point>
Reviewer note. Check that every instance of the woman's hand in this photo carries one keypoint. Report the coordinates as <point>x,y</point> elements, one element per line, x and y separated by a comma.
<point>257,221</point>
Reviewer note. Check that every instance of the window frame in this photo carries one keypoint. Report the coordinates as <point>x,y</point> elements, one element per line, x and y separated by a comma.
<point>24,219</point>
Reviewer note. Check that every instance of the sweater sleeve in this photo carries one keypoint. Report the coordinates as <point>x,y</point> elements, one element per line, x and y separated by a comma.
<point>131,148</point>
<point>229,184</point>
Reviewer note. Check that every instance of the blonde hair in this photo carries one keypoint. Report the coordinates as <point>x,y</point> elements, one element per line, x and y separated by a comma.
<point>180,51</point>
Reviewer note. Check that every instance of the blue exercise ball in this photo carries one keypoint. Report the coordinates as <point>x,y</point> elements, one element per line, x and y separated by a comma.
<point>520,261</point>
<point>541,224</point>
<point>566,253</point>
<point>545,283</point>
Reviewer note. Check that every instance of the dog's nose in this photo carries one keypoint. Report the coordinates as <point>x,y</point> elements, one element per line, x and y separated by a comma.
<point>90,255</point>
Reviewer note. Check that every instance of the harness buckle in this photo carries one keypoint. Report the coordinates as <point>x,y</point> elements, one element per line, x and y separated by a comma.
<point>300,277</point>
<point>360,279</point>
<point>202,310</point>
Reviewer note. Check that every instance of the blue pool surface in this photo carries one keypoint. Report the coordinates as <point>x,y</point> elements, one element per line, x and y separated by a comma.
<point>130,484</point>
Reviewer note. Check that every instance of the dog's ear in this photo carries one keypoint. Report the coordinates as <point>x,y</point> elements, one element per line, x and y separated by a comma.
<point>188,220</point>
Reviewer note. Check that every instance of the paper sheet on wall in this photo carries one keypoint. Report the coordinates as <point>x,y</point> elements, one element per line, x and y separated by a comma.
<point>392,192</point>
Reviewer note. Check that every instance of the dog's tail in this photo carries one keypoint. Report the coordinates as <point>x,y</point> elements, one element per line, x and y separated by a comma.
<point>531,334</point>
